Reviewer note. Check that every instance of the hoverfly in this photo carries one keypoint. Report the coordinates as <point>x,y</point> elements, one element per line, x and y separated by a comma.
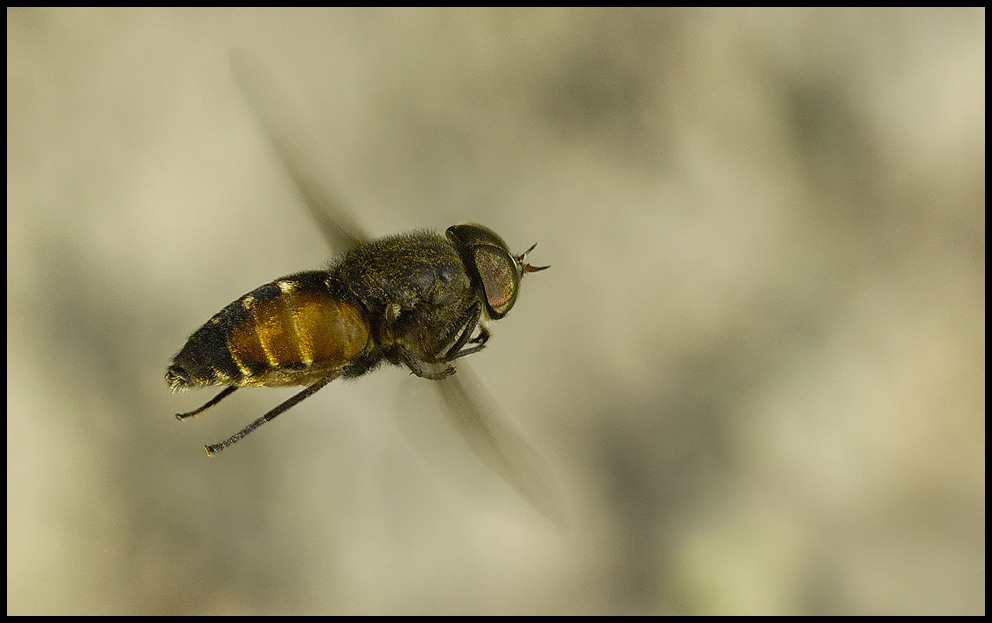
<point>418,300</point>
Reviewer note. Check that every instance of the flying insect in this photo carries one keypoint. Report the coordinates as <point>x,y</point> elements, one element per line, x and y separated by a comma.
<point>419,300</point>
<point>414,299</point>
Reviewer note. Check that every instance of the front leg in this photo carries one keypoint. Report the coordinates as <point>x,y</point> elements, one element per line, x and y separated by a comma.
<point>427,367</point>
<point>398,352</point>
<point>465,332</point>
<point>479,341</point>
<point>482,338</point>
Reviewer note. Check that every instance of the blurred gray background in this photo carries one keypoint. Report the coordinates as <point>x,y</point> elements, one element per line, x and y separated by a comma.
<point>756,366</point>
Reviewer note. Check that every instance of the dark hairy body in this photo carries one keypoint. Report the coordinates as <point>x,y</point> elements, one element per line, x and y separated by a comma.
<point>412,299</point>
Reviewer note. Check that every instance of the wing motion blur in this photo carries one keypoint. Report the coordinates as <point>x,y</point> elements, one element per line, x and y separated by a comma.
<point>468,407</point>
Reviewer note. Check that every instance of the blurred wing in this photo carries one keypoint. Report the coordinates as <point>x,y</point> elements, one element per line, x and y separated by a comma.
<point>476,416</point>
<point>469,408</point>
<point>268,102</point>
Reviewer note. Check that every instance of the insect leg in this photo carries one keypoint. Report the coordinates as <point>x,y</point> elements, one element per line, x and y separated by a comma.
<point>456,350</point>
<point>482,338</point>
<point>472,321</point>
<point>221,396</point>
<point>214,448</point>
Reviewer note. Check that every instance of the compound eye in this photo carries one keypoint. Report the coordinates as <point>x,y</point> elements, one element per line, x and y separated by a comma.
<point>500,279</point>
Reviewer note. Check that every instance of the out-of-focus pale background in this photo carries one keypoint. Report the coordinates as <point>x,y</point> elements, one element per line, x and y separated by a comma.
<point>757,365</point>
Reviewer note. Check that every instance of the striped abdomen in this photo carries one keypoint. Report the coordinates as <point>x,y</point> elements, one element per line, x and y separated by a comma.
<point>292,331</point>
